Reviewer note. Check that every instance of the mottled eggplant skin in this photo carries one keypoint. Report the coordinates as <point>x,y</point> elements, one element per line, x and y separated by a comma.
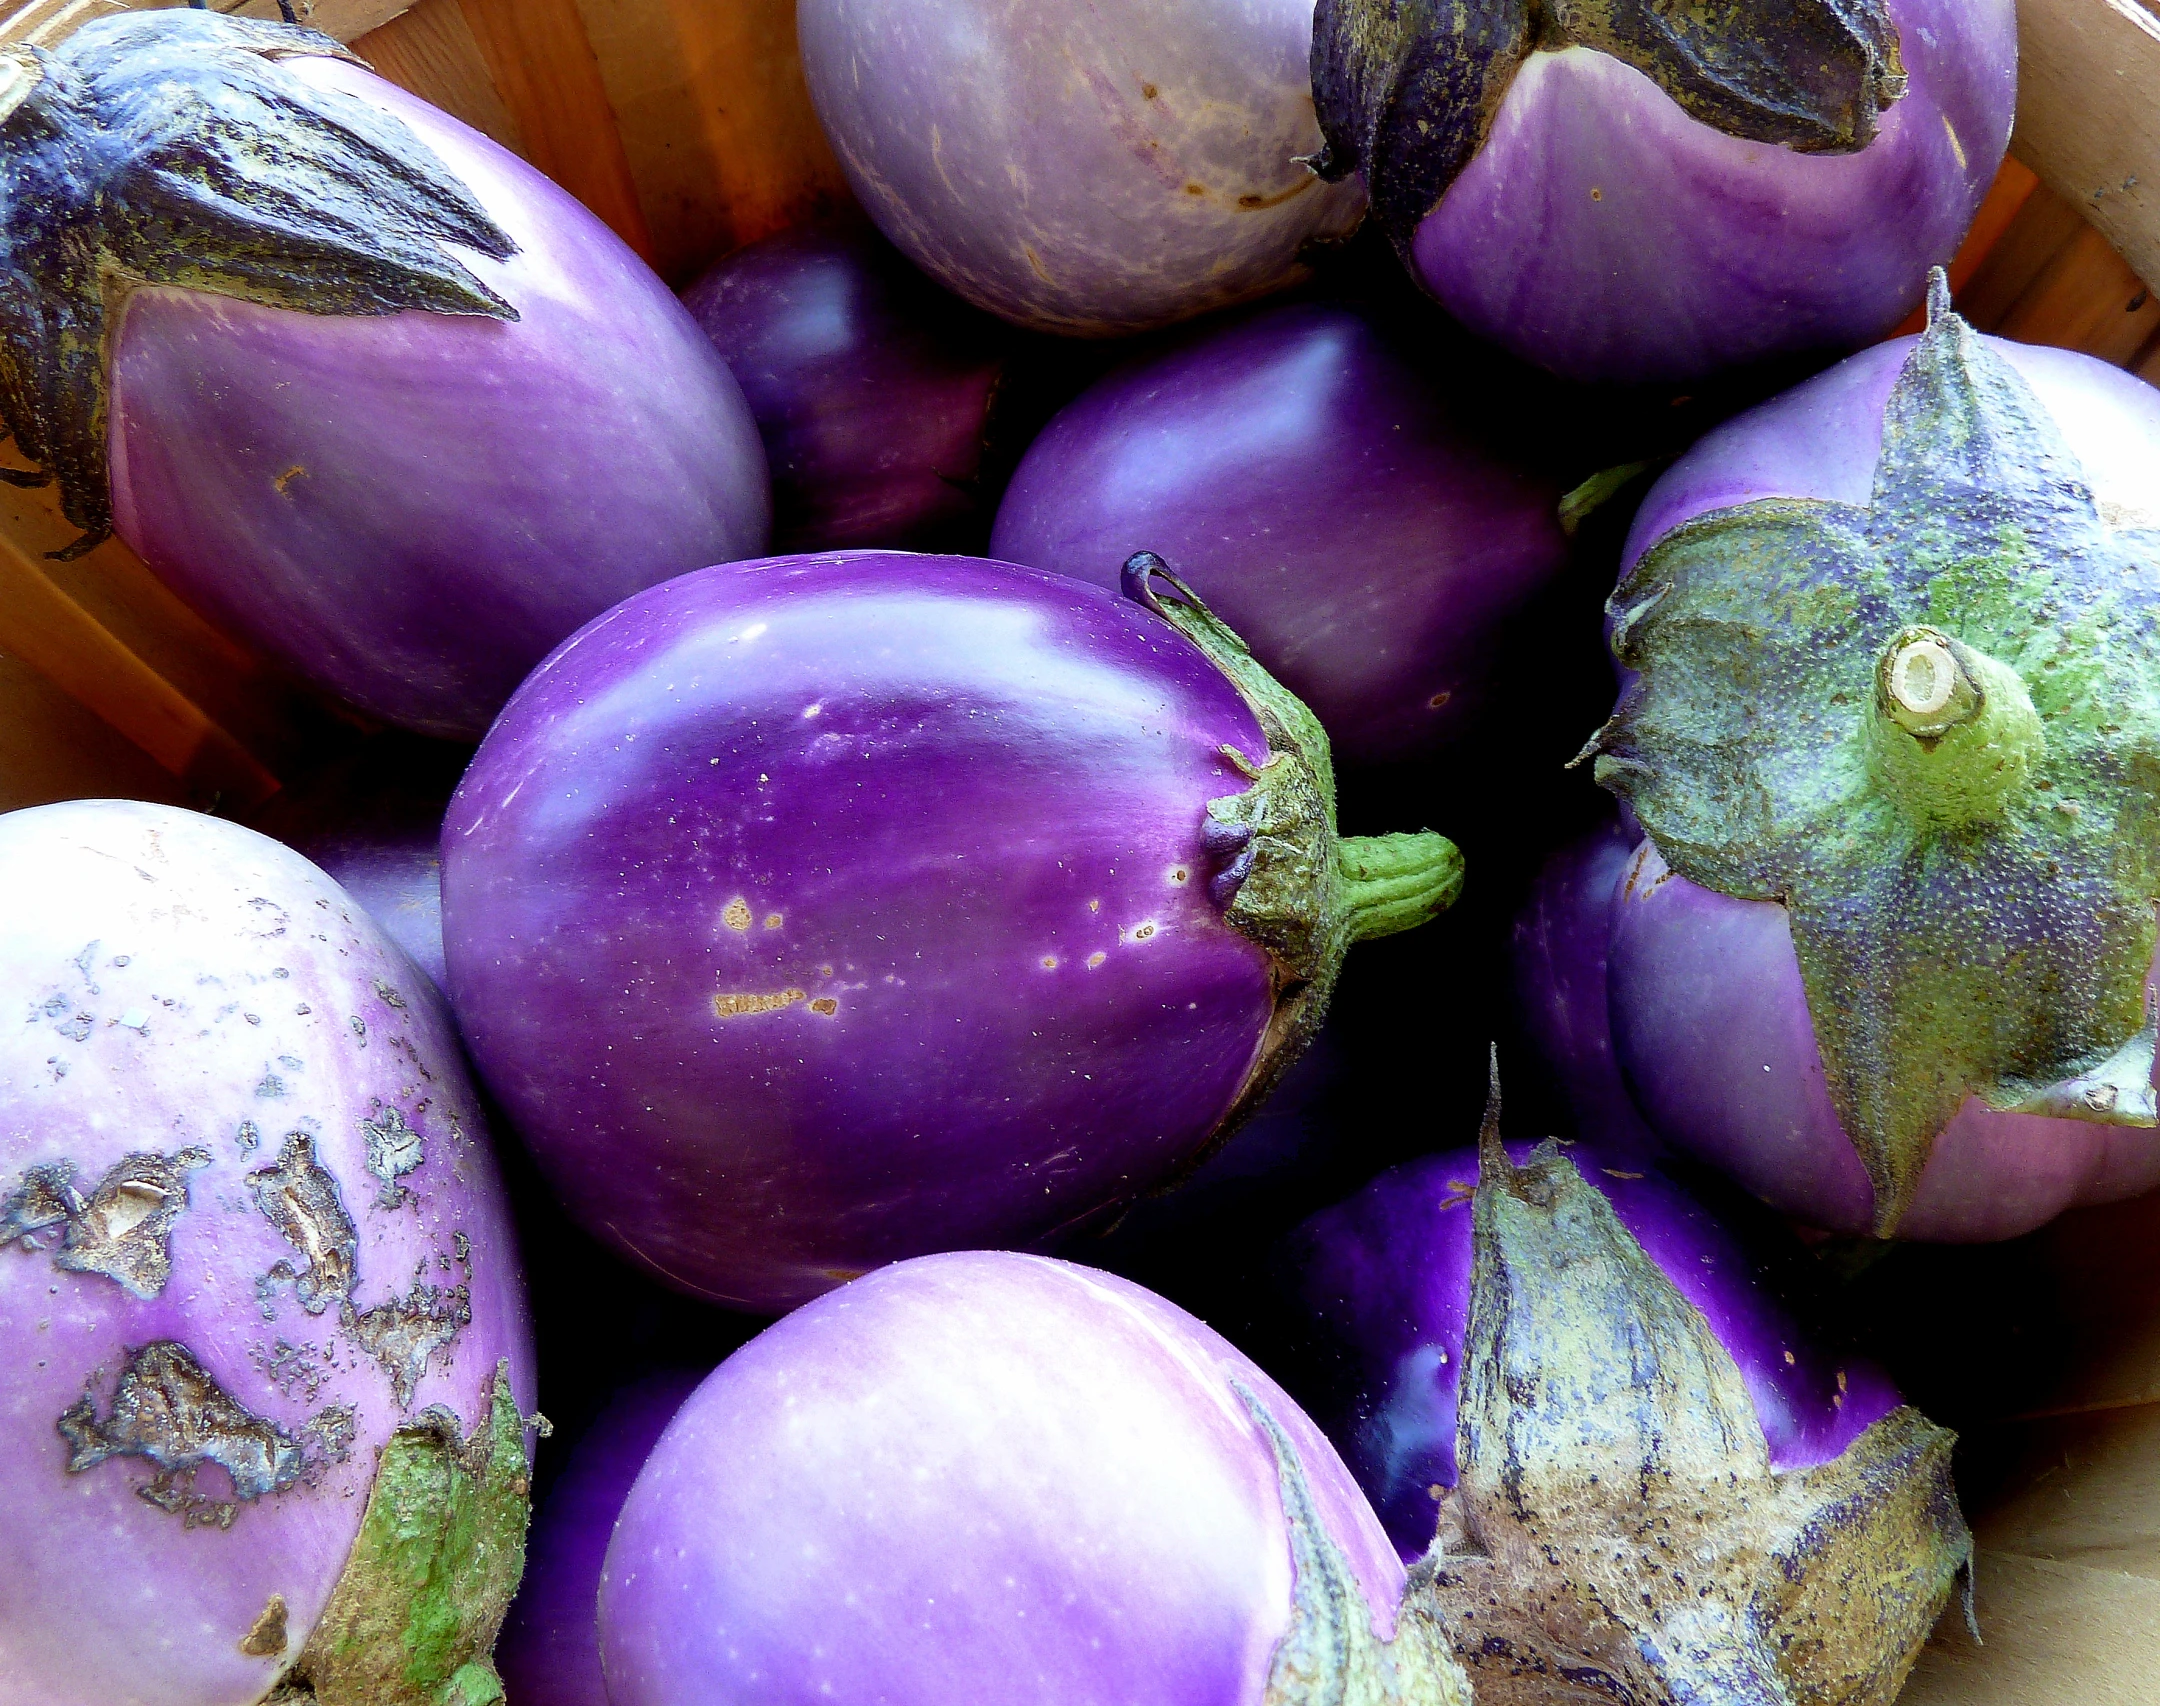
<point>871,386</point>
<point>1560,948</point>
<point>1603,233</point>
<point>1710,1027</point>
<point>1089,170</point>
<point>191,990</point>
<point>975,1477</point>
<point>549,1654</point>
<point>1379,1288</point>
<point>1331,503</point>
<point>411,510</point>
<point>814,913</point>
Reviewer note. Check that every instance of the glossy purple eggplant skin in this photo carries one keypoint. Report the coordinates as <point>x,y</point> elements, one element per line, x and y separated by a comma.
<point>200,994</point>
<point>1087,170</point>
<point>1710,1026</point>
<point>1382,1283</point>
<point>549,1653</point>
<point>974,1477</point>
<point>1603,233</point>
<point>871,386</point>
<point>1330,503</point>
<point>1560,950</point>
<point>814,913</point>
<point>411,510</point>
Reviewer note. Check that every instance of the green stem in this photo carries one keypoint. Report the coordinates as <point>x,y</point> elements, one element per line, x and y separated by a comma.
<point>1955,735</point>
<point>1390,883</point>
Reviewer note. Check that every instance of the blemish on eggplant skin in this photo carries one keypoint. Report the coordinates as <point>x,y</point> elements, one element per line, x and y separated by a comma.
<point>122,1231</point>
<point>736,915</point>
<point>285,480</point>
<point>773,921</point>
<point>825,1006</point>
<point>1096,958</point>
<point>300,1198</point>
<point>266,1640</point>
<point>735,1005</point>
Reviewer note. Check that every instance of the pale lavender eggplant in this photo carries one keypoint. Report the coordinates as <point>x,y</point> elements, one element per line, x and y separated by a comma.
<point>1380,1288</point>
<point>1081,169</point>
<point>1711,1028</point>
<point>815,913</point>
<point>872,387</point>
<point>1335,505</point>
<point>1604,233</point>
<point>411,510</point>
<point>549,1654</point>
<point>1560,951</point>
<point>250,1229</point>
<point>977,1477</point>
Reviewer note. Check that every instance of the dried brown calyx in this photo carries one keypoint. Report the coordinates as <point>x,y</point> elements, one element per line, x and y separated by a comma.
<point>1617,1533</point>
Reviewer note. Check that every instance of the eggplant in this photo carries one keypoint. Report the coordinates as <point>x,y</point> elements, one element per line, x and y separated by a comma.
<point>1632,191</point>
<point>1886,957</point>
<point>814,913</point>
<point>1088,170</point>
<point>261,1309</point>
<point>365,389</point>
<point>1337,506</point>
<point>549,1654</point>
<point>997,1477</point>
<point>1620,1458</point>
<point>873,388</point>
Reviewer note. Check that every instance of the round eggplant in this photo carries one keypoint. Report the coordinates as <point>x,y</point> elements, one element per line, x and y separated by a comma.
<point>1887,956</point>
<point>999,1477</point>
<point>362,387</point>
<point>873,388</point>
<point>260,1305</point>
<point>1091,169</point>
<point>1637,192</point>
<point>549,1654</point>
<point>814,913</point>
<point>1564,1383</point>
<point>1330,501</point>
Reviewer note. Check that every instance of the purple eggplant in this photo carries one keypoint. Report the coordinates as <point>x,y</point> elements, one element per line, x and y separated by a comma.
<point>380,399</point>
<point>1561,953</point>
<point>814,913</point>
<point>978,1477</point>
<point>549,1654</point>
<point>1328,499</point>
<point>373,823</point>
<point>873,388</point>
<point>1090,169</point>
<point>260,1305</point>
<point>1563,1383</point>
<point>1637,192</point>
<point>1887,957</point>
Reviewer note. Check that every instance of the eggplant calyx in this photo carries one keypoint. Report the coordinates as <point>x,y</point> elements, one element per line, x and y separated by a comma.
<point>1294,886</point>
<point>169,148</point>
<point>413,1618</point>
<point>1617,1532</point>
<point>1329,1655</point>
<point>1924,725</point>
<point>1407,91</point>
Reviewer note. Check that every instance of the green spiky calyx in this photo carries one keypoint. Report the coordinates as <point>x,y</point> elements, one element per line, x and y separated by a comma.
<point>169,148</point>
<point>1407,90</point>
<point>1292,884</point>
<point>414,1617</point>
<point>1616,1531</point>
<point>1929,728</point>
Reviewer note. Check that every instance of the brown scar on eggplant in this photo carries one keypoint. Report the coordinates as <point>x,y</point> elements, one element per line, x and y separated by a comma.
<point>394,1149</point>
<point>299,1196</point>
<point>405,1334</point>
<point>121,1231</point>
<point>167,1410</point>
<point>267,1639</point>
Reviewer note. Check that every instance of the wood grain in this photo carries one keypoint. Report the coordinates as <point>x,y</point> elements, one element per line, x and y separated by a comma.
<point>432,51</point>
<point>2053,1633</point>
<point>52,748</point>
<point>2088,118</point>
<point>716,122</point>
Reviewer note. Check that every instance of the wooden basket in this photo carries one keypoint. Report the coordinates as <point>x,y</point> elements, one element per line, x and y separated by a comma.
<point>686,126</point>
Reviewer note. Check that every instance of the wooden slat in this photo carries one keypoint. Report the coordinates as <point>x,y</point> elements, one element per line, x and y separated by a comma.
<point>2088,116</point>
<point>51,748</point>
<point>715,121</point>
<point>2054,1633</point>
<point>432,51</point>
